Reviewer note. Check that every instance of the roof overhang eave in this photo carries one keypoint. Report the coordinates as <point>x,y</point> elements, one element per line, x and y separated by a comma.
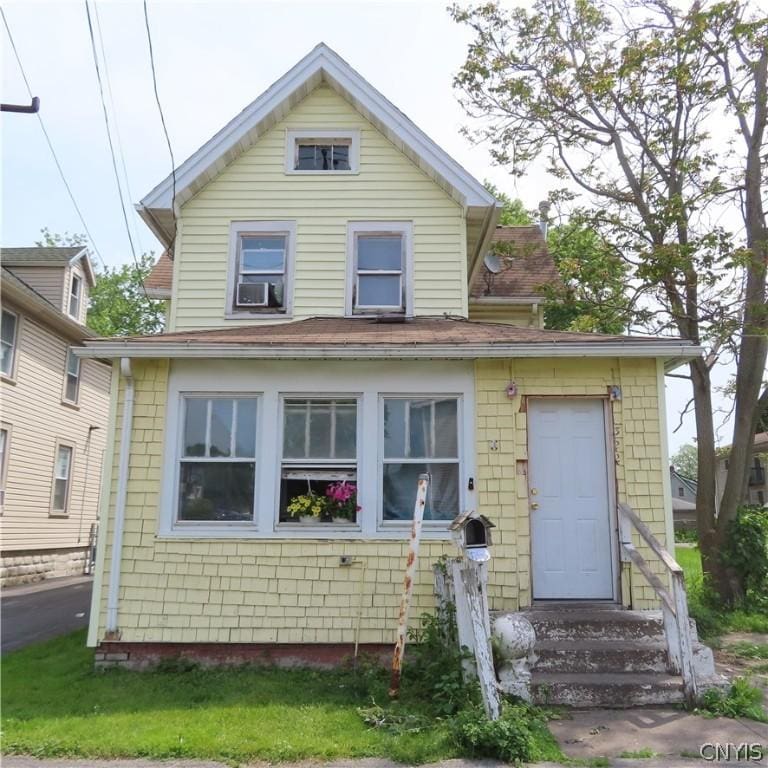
<point>112,348</point>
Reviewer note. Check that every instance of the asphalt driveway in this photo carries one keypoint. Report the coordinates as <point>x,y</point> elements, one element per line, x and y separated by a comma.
<point>35,612</point>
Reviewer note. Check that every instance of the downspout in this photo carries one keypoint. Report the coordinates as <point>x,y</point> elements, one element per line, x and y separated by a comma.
<point>112,632</point>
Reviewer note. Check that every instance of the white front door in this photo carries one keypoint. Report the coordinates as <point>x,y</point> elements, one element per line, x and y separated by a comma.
<point>569,500</point>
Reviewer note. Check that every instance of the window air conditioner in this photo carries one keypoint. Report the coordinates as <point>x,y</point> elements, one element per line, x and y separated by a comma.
<point>252,294</point>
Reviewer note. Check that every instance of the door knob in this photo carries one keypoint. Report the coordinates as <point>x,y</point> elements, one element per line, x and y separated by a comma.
<point>535,505</point>
<point>534,491</point>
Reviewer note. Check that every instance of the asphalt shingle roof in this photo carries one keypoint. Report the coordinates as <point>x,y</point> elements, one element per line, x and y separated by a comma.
<point>16,257</point>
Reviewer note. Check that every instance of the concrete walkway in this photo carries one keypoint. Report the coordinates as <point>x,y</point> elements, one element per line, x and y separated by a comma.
<point>666,733</point>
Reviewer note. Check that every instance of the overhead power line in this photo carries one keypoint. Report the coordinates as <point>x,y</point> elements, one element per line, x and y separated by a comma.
<point>50,144</point>
<point>162,120</point>
<point>118,137</point>
<point>112,148</point>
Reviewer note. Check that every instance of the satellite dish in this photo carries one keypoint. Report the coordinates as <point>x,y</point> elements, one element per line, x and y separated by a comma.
<point>492,263</point>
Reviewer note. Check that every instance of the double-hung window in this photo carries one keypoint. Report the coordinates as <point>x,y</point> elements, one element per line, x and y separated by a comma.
<point>75,289</point>
<point>380,268</point>
<point>260,275</point>
<point>62,470</point>
<point>10,323</point>
<point>319,450</point>
<point>217,469</point>
<point>72,377</point>
<point>420,436</point>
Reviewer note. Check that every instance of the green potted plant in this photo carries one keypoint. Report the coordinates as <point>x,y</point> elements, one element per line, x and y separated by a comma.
<point>307,507</point>
<point>341,502</point>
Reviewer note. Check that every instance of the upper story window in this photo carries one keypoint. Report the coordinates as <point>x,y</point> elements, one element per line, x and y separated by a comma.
<point>261,260</point>
<point>5,439</point>
<point>72,377</point>
<point>10,323</point>
<point>75,292</point>
<point>322,152</point>
<point>380,279</point>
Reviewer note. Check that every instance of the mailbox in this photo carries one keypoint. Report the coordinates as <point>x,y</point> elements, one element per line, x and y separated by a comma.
<point>472,534</point>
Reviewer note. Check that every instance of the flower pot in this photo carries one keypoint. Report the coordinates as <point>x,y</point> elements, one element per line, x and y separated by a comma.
<point>340,520</point>
<point>307,519</point>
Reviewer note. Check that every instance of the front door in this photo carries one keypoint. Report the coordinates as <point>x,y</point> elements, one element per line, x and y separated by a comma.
<point>569,500</point>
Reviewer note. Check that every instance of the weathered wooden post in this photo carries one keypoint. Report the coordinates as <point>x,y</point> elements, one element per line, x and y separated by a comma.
<point>473,537</point>
<point>410,571</point>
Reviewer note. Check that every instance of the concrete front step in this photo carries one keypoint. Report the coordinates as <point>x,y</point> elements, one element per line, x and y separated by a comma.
<point>615,690</point>
<point>599,656</point>
<point>591,624</point>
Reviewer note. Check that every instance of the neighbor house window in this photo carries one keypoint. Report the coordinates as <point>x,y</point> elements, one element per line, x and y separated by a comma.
<point>380,259</point>
<point>261,259</point>
<point>681,491</point>
<point>217,472</point>
<point>319,461</point>
<point>420,436</point>
<point>9,332</point>
<point>311,151</point>
<point>62,470</point>
<point>75,290</point>
<point>4,446</point>
<point>72,377</point>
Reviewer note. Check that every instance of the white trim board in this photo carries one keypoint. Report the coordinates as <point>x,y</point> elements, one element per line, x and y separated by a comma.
<point>270,381</point>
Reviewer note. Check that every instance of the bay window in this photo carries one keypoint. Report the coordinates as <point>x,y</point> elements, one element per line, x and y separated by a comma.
<point>217,469</point>
<point>420,436</point>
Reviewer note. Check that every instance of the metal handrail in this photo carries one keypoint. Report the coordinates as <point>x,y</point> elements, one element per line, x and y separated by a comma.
<point>674,606</point>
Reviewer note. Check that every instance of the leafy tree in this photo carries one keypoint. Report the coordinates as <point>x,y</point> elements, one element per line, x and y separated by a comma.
<point>621,101</point>
<point>513,213</point>
<point>593,294</point>
<point>686,460</point>
<point>55,240</point>
<point>118,305</point>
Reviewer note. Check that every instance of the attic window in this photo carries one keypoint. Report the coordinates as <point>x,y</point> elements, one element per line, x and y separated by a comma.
<point>322,152</point>
<point>74,296</point>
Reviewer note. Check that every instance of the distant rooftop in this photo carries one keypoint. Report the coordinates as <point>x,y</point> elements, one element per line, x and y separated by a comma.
<point>16,257</point>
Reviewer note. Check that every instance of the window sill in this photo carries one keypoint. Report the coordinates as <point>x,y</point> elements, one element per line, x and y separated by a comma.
<point>258,316</point>
<point>70,404</point>
<point>293,172</point>
<point>298,532</point>
<point>58,514</point>
<point>8,379</point>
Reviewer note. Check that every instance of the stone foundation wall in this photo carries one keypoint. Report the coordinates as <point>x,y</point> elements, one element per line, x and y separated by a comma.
<point>26,567</point>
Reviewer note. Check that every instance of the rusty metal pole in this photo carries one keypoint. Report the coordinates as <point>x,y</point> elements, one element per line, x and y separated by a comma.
<point>410,571</point>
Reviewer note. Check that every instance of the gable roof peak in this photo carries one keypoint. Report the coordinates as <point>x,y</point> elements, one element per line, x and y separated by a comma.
<point>321,65</point>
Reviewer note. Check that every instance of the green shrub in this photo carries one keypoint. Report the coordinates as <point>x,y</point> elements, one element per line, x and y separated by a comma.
<point>746,551</point>
<point>519,735</point>
<point>741,700</point>
<point>686,536</point>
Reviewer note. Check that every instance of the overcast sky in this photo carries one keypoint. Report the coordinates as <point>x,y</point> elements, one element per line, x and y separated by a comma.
<point>212,59</point>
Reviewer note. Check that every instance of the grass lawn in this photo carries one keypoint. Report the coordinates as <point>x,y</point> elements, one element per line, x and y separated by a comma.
<point>713,622</point>
<point>55,704</point>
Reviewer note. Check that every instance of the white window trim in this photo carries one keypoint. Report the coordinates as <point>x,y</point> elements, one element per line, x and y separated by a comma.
<point>70,479</point>
<point>11,375</point>
<point>373,380</point>
<point>236,230</point>
<point>6,457</point>
<point>383,524</point>
<point>323,527</point>
<point>64,398</point>
<point>354,228</point>
<point>292,136</point>
<point>211,526</point>
<point>75,276</point>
